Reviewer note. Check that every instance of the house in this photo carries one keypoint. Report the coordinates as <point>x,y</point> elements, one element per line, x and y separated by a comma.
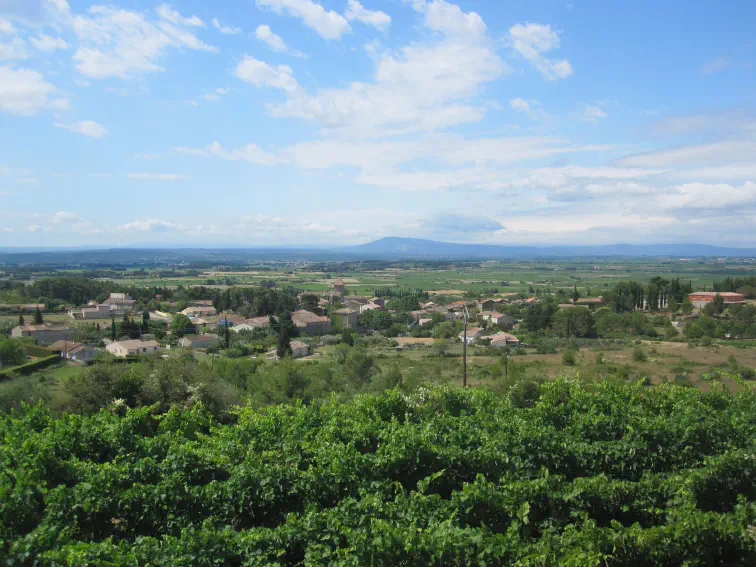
<point>336,288</point>
<point>41,333</point>
<point>200,303</point>
<point>76,352</point>
<point>488,304</point>
<point>231,320</point>
<point>501,319</point>
<point>473,334</point>
<point>120,301</point>
<point>503,339</point>
<point>309,323</point>
<point>258,322</point>
<point>370,307</point>
<point>356,299</point>
<point>571,305</point>
<point>101,311</point>
<point>378,301</point>
<point>590,302</point>
<point>299,349</point>
<point>424,322</point>
<point>354,305</point>
<point>122,349</point>
<point>200,311</point>
<point>702,298</point>
<point>347,317</point>
<point>197,341</point>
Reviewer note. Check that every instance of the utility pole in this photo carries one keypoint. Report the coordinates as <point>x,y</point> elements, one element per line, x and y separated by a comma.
<point>464,352</point>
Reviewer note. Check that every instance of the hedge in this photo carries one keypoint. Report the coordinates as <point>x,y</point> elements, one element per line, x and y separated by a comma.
<point>30,367</point>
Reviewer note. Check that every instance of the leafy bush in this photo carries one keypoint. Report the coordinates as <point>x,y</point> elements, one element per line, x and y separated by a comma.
<point>569,357</point>
<point>639,355</point>
<point>553,474</point>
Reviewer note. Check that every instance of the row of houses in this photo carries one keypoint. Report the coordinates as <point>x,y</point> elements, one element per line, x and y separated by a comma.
<point>116,304</point>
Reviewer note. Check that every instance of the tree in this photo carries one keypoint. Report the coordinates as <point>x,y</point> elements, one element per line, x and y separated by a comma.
<point>227,334</point>
<point>38,319</point>
<point>113,332</point>
<point>180,324</point>
<point>672,305</point>
<point>146,318</point>
<point>575,294</point>
<point>309,301</point>
<point>284,343</point>
<point>569,358</point>
<point>21,319</point>
<point>687,306</point>
<point>12,352</point>
<point>718,303</point>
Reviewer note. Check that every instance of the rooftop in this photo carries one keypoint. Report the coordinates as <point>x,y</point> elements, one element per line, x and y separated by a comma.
<point>137,344</point>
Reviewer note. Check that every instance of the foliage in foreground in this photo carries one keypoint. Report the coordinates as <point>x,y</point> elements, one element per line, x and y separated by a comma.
<point>616,475</point>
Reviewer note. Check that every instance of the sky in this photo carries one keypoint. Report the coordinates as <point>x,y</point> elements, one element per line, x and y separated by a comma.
<point>337,122</point>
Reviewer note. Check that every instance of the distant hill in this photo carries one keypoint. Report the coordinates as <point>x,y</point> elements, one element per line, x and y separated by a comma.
<point>394,247</point>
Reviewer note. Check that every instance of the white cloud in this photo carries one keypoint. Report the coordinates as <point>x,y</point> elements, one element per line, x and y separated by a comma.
<point>327,23</point>
<point>123,44</point>
<point>15,48</point>
<point>261,74</point>
<point>275,42</point>
<point>377,19</point>
<point>592,113</point>
<point>727,151</point>
<point>449,18</point>
<point>529,108</point>
<point>63,217</point>
<point>216,94</point>
<point>532,41</point>
<point>6,27</point>
<point>47,43</point>
<point>704,196</point>
<point>33,228</point>
<point>85,127</point>
<point>714,66</point>
<point>158,176</point>
<point>225,29</point>
<point>250,153</point>
<point>151,225</point>
<point>166,12</point>
<point>25,92</point>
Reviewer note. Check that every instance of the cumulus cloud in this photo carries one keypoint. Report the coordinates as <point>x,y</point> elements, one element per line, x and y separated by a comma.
<point>6,27</point>
<point>377,19</point>
<point>532,41</point>
<point>118,43</point>
<point>592,113</point>
<point>275,42</point>
<point>250,153</point>
<point>327,23</point>
<point>456,222</point>
<point>228,30</point>
<point>262,74</point>
<point>14,48</point>
<point>86,128</point>
<point>25,92</point>
<point>151,225</point>
<point>63,217</point>
<point>167,13</point>
<point>47,44</point>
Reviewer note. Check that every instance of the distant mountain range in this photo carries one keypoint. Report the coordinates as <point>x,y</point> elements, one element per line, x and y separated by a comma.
<point>393,247</point>
<point>390,248</point>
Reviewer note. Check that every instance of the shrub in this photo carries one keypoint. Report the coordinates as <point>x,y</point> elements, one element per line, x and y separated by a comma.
<point>639,355</point>
<point>569,357</point>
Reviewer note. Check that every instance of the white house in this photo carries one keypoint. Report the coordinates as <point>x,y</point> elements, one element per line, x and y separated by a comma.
<point>123,349</point>
<point>473,334</point>
<point>503,339</point>
<point>299,349</point>
<point>197,341</point>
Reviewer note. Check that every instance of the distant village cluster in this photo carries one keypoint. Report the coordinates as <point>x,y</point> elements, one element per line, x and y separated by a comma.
<point>335,310</point>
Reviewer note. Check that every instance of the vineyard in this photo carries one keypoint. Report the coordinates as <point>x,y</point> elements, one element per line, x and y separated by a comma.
<point>556,474</point>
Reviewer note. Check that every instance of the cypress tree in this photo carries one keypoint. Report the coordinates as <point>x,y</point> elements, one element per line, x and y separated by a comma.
<point>113,334</point>
<point>38,320</point>
<point>21,319</point>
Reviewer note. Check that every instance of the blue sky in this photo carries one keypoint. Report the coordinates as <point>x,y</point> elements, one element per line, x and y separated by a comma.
<point>317,122</point>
